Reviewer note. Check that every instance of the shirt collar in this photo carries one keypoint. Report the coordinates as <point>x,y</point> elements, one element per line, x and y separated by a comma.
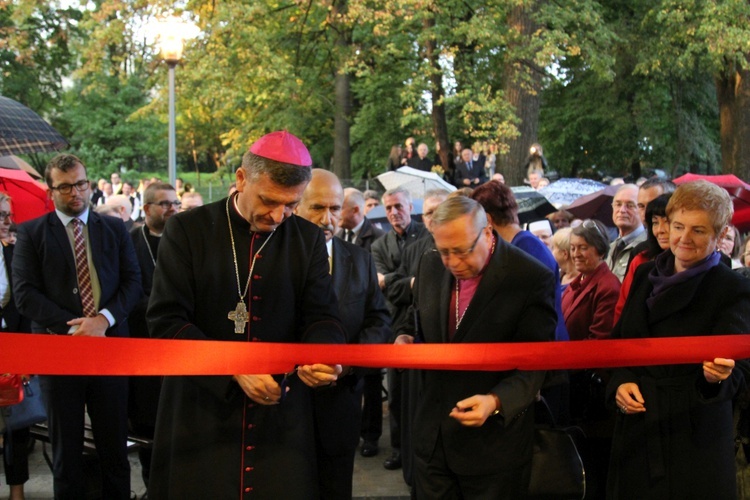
<point>65,219</point>
<point>329,247</point>
<point>356,229</point>
<point>631,236</point>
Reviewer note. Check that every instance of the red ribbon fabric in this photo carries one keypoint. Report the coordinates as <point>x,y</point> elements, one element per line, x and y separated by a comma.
<point>68,355</point>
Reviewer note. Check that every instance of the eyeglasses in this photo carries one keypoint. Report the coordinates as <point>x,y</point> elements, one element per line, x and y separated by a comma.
<point>630,206</point>
<point>589,224</point>
<point>166,204</point>
<point>461,254</point>
<point>68,188</point>
<point>6,215</point>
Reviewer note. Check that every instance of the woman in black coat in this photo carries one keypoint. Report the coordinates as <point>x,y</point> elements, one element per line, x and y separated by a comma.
<point>674,432</point>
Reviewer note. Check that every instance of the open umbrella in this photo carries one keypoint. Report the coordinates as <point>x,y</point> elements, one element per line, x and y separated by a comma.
<point>532,205</point>
<point>29,198</point>
<point>738,190</point>
<point>24,131</point>
<point>15,163</point>
<point>566,191</point>
<point>597,205</point>
<point>417,182</point>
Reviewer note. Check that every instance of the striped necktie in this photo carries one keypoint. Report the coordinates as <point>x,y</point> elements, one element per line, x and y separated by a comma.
<point>82,268</point>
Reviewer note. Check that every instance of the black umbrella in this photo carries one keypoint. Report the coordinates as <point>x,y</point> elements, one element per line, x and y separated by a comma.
<point>22,131</point>
<point>532,205</point>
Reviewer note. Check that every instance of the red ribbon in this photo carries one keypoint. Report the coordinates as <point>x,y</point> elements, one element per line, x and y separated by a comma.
<point>68,355</point>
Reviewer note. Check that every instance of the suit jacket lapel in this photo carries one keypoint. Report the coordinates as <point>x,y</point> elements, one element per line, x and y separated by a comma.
<point>60,235</point>
<point>95,239</point>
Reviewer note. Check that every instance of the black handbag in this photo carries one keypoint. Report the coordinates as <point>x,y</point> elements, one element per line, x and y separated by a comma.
<point>557,470</point>
<point>28,412</point>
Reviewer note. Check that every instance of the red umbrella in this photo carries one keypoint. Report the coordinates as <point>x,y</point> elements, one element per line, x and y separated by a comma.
<point>737,189</point>
<point>29,198</point>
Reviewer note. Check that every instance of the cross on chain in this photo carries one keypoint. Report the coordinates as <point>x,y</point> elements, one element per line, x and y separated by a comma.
<point>239,316</point>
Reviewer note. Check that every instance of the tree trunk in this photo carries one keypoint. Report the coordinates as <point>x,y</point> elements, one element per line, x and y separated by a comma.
<point>733,93</point>
<point>521,84</point>
<point>439,121</point>
<point>342,114</point>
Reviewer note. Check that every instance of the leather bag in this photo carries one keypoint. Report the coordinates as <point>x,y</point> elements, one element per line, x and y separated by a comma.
<point>28,412</point>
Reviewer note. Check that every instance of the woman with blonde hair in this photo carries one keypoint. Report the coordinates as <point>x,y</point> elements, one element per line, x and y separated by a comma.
<point>674,433</point>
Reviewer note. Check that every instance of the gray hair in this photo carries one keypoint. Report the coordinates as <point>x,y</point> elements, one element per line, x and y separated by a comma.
<point>436,193</point>
<point>283,174</point>
<point>595,235</point>
<point>398,190</point>
<point>458,206</point>
<point>353,196</point>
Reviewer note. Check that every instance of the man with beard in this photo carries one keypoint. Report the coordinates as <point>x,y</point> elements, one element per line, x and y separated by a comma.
<point>160,203</point>
<point>363,313</point>
<point>75,273</point>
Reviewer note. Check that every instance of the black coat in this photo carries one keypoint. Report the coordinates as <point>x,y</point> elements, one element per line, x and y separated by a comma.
<point>476,172</point>
<point>514,302</point>
<point>211,440</point>
<point>683,445</point>
<point>368,233</point>
<point>338,409</point>
<point>14,321</point>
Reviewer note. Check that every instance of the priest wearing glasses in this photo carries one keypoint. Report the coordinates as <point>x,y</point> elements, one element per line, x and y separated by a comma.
<point>244,269</point>
<point>475,428</point>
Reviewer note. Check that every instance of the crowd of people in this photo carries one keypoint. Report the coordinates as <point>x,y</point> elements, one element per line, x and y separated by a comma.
<point>290,256</point>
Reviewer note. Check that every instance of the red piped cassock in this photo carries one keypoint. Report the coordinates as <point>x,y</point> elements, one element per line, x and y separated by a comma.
<point>211,440</point>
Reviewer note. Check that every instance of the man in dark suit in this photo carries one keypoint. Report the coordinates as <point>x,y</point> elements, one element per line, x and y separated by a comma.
<point>473,431</point>
<point>365,318</point>
<point>470,172</point>
<point>160,203</point>
<point>75,272</point>
<point>355,227</point>
<point>387,252</point>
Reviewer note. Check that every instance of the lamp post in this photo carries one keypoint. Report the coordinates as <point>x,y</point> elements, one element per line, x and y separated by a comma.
<point>171,42</point>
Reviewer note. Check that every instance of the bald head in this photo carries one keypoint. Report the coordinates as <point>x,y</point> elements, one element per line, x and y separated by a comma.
<point>322,201</point>
<point>353,210</point>
<point>121,204</point>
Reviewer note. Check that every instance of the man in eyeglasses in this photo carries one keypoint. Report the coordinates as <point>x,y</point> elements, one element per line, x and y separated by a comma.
<point>160,203</point>
<point>473,430</point>
<point>75,273</point>
<point>630,229</point>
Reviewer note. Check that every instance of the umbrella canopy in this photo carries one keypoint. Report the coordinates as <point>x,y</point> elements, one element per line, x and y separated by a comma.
<point>532,205</point>
<point>417,182</point>
<point>28,197</point>
<point>24,131</point>
<point>16,163</point>
<point>597,205</point>
<point>738,190</point>
<point>565,191</point>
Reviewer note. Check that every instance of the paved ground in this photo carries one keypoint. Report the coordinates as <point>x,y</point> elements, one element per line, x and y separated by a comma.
<point>371,480</point>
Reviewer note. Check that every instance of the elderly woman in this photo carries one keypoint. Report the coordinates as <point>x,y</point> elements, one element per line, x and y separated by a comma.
<point>589,302</point>
<point>674,435</point>
<point>561,253</point>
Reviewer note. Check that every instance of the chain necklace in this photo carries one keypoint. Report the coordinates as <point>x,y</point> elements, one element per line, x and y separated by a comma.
<point>143,230</point>
<point>461,317</point>
<point>239,314</point>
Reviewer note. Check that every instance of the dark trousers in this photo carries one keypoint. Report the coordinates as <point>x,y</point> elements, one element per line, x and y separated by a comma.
<point>16,456</point>
<point>106,400</point>
<point>372,407</point>
<point>337,426</point>
<point>434,479</point>
<point>395,389</point>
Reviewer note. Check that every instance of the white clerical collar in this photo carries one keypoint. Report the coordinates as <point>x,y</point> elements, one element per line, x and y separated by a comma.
<point>65,219</point>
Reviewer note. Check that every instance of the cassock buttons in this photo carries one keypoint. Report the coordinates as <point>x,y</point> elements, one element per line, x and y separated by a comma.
<point>256,276</point>
<point>256,318</point>
<point>250,426</point>
<point>248,469</point>
<point>250,448</point>
<point>248,489</point>
<point>256,297</point>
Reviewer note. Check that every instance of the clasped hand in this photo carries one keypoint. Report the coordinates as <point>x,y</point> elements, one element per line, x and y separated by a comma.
<point>474,411</point>
<point>95,326</point>
<point>264,390</point>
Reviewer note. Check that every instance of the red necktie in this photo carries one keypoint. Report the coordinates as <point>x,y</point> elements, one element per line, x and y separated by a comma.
<point>82,267</point>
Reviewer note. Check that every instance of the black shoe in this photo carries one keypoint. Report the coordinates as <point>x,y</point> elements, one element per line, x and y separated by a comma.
<point>394,462</point>
<point>369,449</point>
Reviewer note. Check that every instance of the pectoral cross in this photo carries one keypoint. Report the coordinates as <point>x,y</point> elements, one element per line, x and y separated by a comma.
<point>239,316</point>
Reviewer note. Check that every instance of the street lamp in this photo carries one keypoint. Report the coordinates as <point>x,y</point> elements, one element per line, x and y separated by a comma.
<point>171,41</point>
